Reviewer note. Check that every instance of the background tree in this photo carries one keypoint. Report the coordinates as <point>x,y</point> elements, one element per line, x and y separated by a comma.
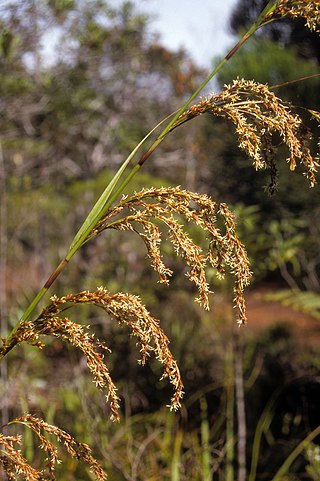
<point>64,99</point>
<point>286,33</point>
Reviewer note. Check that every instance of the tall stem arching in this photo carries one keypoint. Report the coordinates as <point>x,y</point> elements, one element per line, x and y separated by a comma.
<point>113,189</point>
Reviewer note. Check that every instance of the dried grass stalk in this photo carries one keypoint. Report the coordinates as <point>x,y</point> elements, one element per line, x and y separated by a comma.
<point>258,114</point>
<point>225,251</point>
<point>17,467</point>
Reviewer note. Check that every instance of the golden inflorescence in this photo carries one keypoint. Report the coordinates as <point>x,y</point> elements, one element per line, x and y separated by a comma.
<point>257,114</point>
<point>224,249</point>
<point>306,9</point>
<point>127,310</point>
<point>16,466</point>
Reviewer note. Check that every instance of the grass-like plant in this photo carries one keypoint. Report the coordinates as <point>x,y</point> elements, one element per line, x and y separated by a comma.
<point>257,114</point>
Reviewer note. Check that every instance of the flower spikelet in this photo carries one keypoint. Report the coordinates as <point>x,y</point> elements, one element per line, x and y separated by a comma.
<point>13,463</point>
<point>50,324</point>
<point>169,205</point>
<point>16,466</point>
<point>257,114</point>
<point>307,9</point>
<point>127,310</point>
<point>315,115</point>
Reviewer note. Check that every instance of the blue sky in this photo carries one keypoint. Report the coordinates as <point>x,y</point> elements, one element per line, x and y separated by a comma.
<point>199,26</point>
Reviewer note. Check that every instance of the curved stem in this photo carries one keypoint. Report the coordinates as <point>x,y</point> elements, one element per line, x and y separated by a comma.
<point>284,468</point>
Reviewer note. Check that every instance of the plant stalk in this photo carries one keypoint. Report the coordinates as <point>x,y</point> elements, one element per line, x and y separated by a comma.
<point>284,468</point>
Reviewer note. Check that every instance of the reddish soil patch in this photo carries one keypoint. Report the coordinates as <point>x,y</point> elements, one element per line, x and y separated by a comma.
<point>262,314</point>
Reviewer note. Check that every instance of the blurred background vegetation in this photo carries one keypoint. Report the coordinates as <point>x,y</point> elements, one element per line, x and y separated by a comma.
<point>71,111</point>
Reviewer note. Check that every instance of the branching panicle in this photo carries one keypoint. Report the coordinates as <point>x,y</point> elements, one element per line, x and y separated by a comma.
<point>168,205</point>
<point>306,9</point>
<point>13,463</point>
<point>50,324</point>
<point>127,310</point>
<point>17,467</point>
<point>257,114</point>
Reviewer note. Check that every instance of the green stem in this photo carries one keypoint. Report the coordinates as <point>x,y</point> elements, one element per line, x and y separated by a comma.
<point>283,470</point>
<point>262,428</point>
<point>230,435</point>
<point>205,440</point>
<point>9,345</point>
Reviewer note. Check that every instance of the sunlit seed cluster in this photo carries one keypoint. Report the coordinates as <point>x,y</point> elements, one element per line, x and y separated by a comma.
<point>257,114</point>
<point>307,9</point>
<point>17,467</point>
<point>170,205</point>
<point>127,310</point>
